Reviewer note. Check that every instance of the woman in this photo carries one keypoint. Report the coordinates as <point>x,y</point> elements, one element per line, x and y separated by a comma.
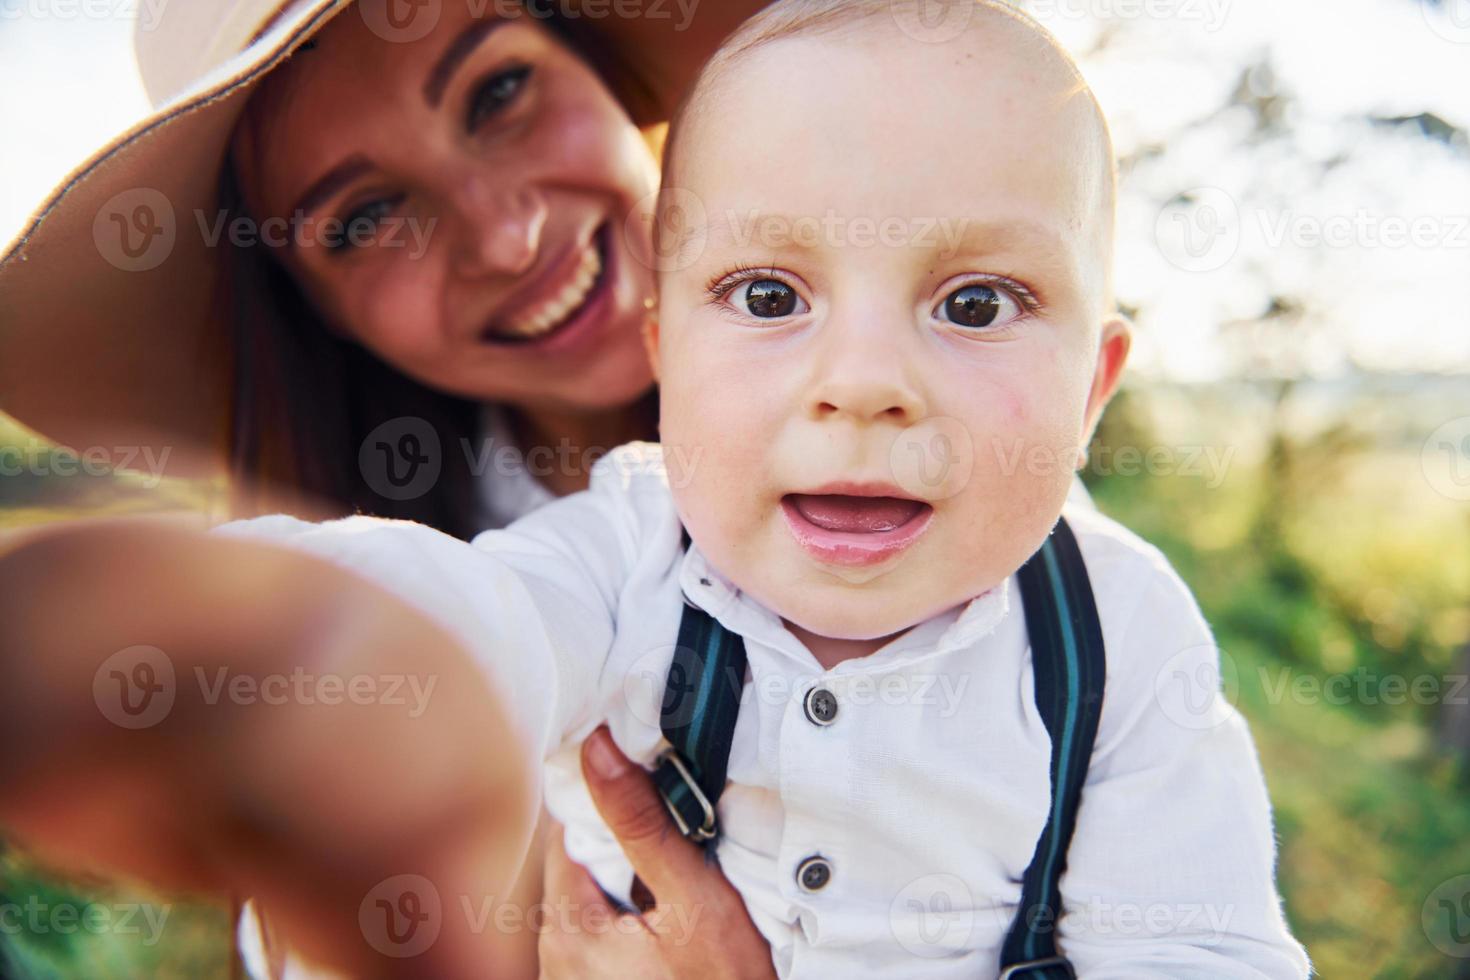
<point>212,317</point>
<point>490,263</point>
<point>442,253</point>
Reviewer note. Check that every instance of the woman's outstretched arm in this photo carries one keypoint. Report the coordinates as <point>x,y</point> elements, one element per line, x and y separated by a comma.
<point>221,715</point>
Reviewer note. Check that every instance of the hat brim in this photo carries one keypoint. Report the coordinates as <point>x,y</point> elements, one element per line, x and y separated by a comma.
<point>112,339</point>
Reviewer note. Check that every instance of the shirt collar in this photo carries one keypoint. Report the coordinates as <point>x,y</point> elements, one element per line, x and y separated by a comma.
<point>705,588</point>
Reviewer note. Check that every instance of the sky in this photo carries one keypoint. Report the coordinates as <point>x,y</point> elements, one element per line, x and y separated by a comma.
<point>68,83</point>
<point>1363,228</point>
<point>1342,244</point>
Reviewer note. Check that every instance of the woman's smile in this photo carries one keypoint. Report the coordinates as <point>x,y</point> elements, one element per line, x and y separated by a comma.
<point>560,309</point>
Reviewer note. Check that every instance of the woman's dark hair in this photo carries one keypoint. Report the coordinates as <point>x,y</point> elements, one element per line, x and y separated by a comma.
<point>305,399</point>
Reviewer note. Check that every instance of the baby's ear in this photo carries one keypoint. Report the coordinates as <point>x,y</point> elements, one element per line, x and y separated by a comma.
<point>650,338</point>
<point>1112,354</point>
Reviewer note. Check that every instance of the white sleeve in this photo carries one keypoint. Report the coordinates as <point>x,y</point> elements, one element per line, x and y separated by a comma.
<point>542,638</point>
<point>1170,874</point>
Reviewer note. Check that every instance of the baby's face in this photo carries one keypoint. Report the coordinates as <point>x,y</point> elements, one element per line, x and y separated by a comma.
<point>886,338</point>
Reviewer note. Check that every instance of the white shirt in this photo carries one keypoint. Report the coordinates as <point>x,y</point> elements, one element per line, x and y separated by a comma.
<point>928,792</point>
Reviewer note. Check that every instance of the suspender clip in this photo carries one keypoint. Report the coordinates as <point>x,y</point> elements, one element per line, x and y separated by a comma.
<point>1016,971</point>
<point>706,830</point>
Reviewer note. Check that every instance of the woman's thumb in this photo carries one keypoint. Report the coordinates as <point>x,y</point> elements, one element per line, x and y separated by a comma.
<point>630,806</point>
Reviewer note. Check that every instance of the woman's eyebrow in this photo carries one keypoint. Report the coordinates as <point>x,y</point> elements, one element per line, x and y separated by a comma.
<point>355,166</point>
<point>454,55</point>
<point>332,181</point>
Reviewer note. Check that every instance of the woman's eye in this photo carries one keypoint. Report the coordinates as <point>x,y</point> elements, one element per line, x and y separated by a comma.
<point>494,94</point>
<point>361,226</point>
<point>768,299</point>
<point>979,306</point>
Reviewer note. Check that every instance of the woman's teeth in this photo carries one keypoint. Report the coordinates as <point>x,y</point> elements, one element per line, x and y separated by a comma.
<point>551,314</point>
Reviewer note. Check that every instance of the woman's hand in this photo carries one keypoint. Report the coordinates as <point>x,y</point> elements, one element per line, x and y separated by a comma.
<point>694,923</point>
<point>213,715</point>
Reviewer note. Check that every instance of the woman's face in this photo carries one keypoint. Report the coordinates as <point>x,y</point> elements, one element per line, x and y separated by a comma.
<point>459,205</point>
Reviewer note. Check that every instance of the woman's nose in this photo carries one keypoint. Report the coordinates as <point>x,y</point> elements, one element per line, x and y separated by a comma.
<point>500,229</point>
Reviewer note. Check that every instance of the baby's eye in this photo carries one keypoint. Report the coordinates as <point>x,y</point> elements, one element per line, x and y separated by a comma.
<point>767,299</point>
<point>978,306</point>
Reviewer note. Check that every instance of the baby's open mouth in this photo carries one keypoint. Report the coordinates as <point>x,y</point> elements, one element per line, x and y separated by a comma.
<point>855,515</point>
<point>853,529</point>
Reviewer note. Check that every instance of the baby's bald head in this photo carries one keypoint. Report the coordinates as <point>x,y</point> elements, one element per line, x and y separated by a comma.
<point>882,251</point>
<point>986,72</point>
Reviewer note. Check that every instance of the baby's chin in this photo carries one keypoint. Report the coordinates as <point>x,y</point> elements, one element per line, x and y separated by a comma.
<point>845,611</point>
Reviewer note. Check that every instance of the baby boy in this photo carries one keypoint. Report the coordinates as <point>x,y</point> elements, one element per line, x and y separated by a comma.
<point>885,331</point>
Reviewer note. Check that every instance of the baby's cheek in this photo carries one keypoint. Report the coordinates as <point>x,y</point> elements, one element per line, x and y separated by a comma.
<point>714,393</point>
<point>1012,427</point>
<point>708,447</point>
<point>1045,412</point>
<point>1014,408</point>
<point>1023,469</point>
<point>1025,449</point>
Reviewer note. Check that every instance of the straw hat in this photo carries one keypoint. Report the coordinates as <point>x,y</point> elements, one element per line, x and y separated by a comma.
<point>109,342</point>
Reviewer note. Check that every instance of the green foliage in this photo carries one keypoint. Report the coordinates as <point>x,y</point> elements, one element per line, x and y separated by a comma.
<point>1322,559</point>
<point>61,928</point>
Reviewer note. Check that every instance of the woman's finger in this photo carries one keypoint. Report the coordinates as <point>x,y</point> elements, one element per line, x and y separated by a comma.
<point>634,811</point>
<point>606,943</point>
<point>566,878</point>
<point>700,922</point>
<point>669,865</point>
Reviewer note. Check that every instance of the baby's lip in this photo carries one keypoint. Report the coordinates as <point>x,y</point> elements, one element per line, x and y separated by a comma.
<point>855,529</point>
<point>856,514</point>
<point>858,488</point>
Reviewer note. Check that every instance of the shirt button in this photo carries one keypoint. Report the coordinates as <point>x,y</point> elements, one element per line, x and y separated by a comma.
<point>821,706</point>
<point>813,874</point>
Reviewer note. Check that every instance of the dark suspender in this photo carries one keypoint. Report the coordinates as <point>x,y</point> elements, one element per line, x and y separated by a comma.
<point>702,700</point>
<point>1069,664</point>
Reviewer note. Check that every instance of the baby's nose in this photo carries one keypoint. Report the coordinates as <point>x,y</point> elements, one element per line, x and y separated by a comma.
<point>865,383</point>
<point>868,402</point>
